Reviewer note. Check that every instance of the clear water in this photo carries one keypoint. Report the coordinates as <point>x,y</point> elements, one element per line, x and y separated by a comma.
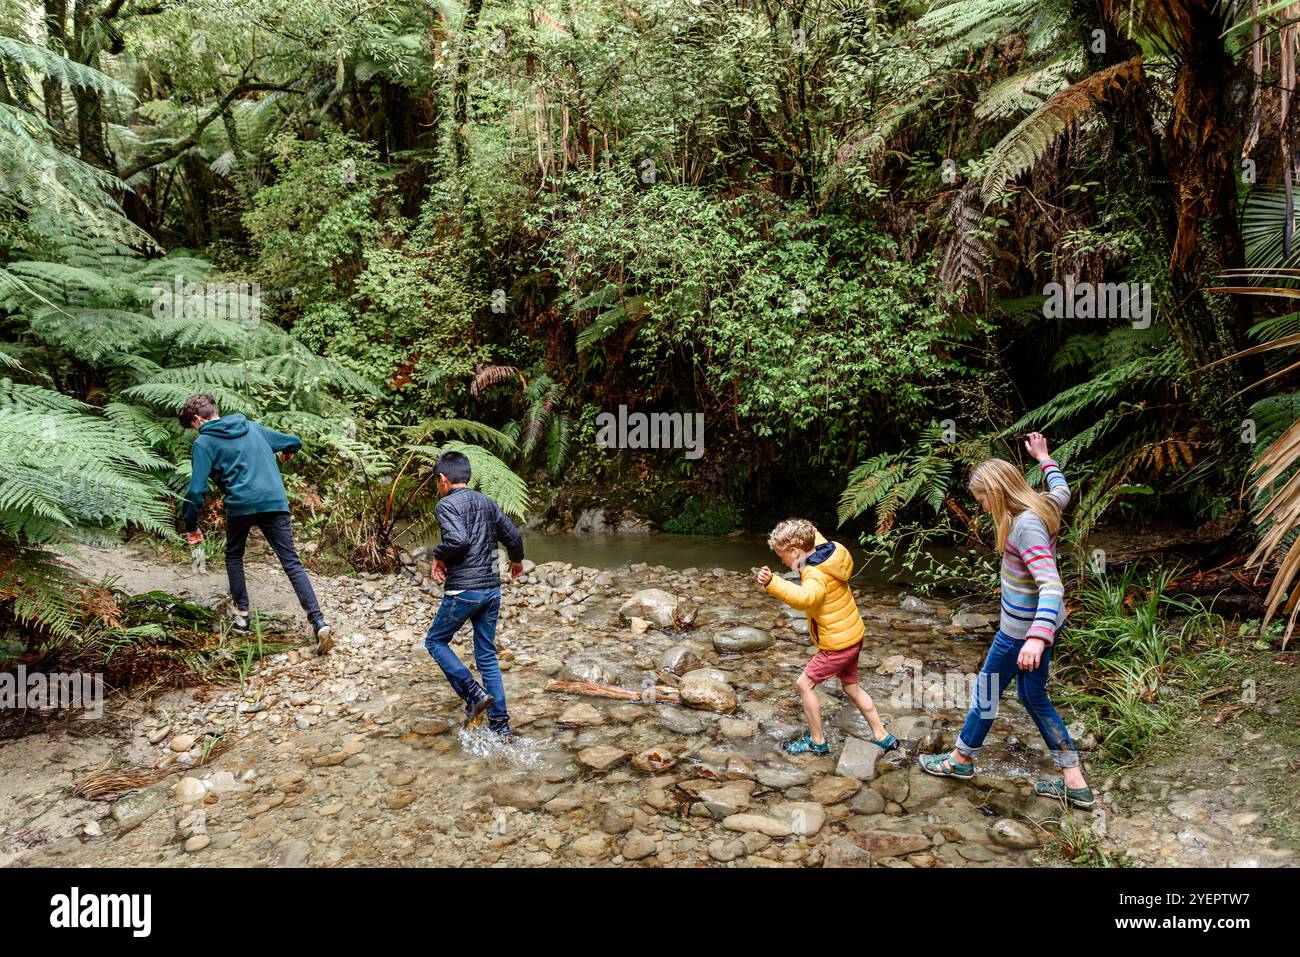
<point>738,553</point>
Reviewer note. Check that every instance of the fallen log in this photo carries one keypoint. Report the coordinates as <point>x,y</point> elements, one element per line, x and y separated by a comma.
<point>658,695</point>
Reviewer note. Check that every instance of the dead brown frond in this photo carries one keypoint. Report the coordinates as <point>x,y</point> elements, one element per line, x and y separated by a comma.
<point>491,376</point>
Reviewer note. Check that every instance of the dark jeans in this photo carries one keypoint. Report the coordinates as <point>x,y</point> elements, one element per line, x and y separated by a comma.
<point>278,530</point>
<point>999,670</point>
<point>480,607</point>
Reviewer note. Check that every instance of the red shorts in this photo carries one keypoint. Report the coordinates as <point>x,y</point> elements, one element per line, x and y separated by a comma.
<point>830,664</point>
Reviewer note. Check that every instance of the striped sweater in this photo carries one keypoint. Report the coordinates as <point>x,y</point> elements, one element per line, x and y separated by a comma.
<point>1033,598</point>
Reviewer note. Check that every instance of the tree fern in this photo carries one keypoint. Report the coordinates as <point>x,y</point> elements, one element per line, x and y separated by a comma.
<point>1020,149</point>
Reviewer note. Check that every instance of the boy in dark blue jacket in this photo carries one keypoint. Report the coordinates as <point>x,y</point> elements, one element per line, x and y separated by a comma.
<point>239,457</point>
<point>465,564</point>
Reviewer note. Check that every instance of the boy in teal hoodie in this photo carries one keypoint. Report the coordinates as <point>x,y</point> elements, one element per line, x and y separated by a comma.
<point>238,456</point>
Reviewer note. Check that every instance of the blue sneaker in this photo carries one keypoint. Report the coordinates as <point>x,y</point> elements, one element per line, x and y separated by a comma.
<point>806,745</point>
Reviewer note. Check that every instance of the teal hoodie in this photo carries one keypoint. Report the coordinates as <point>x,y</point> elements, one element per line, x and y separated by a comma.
<point>239,457</point>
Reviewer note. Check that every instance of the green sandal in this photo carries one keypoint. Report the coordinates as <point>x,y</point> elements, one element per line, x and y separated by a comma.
<point>934,764</point>
<point>1056,790</point>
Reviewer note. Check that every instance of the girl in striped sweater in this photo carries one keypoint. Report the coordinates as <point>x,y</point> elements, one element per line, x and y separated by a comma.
<point>1033,610</point>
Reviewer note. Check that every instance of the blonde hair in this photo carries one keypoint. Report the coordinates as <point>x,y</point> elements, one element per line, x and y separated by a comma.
<point>793,531</point>
<point>1009,494</point>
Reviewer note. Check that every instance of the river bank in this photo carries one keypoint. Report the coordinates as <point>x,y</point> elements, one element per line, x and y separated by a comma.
<point>357,758</point>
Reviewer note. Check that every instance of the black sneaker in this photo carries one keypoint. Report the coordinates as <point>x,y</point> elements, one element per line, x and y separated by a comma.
<point>324,639</point>
<point>476,706</point>
<point>503,731</point>
<point>239,623</point>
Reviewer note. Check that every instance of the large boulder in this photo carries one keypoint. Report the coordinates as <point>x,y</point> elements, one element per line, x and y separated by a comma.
<point>706,693</point>
<point>858,759</point>
<point>742,638</point>
<point>654,605</point>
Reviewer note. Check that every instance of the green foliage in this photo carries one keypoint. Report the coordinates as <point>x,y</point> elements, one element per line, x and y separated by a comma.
<point>1136,656</point>
<point>697,518</point>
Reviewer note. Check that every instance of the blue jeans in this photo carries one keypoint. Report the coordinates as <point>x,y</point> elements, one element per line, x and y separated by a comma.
<point>999,670</point>
<point>480,606</point>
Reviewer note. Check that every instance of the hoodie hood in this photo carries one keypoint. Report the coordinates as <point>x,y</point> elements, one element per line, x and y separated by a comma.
<point>227,427</point>
<point>833,559</point>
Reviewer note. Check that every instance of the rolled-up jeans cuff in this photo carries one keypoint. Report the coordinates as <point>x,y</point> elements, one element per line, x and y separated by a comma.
<point>1066,759</point>
<point>962,748</point>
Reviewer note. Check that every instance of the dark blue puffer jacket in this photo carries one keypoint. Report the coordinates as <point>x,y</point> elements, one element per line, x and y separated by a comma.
<point>472,524</point>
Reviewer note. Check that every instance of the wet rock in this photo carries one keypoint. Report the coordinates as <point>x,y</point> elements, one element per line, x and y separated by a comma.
<point>679,660</point>
<point>654,760</point>
<point>757,822</point>
<point>858,759</point>
<point>712,674</point>
<point>781,776</point>
<point>197,843</point>
<point>893,787</point>
<point>804,818</point>
<point>914,604</point>
<point>680,722</point>
<point>517,794</point>
<point>134,809</point>
<point>593,669</point>
<point>701,691</point>
<point>880,843</point>
<point>925,788</point>
<point>580,715</point>
<point>602,757</point>
<point>933,742</point>
<point>731,798</point>
<point>974,853</point>
<point>1014,834</point>
<point>867,802</point>
<point>741,639</point>
<point>653,604</point>
<point>738,768</point>
<point>833,789</point>
<point>912,727</point>
<point>737,729</point>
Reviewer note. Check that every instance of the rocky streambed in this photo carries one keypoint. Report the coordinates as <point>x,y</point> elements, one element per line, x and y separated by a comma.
<point>358,758</point>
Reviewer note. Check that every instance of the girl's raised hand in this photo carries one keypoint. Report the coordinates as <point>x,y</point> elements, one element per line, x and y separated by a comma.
<point>1036,445</point>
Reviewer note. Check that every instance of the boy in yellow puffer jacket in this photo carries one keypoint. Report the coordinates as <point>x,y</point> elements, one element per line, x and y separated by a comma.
<point>834,624</point>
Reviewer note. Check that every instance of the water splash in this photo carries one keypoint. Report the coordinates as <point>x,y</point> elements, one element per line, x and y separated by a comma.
<point>516,750</point>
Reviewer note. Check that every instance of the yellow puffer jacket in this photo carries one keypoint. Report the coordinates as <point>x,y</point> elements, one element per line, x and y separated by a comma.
<point>834,622</point>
